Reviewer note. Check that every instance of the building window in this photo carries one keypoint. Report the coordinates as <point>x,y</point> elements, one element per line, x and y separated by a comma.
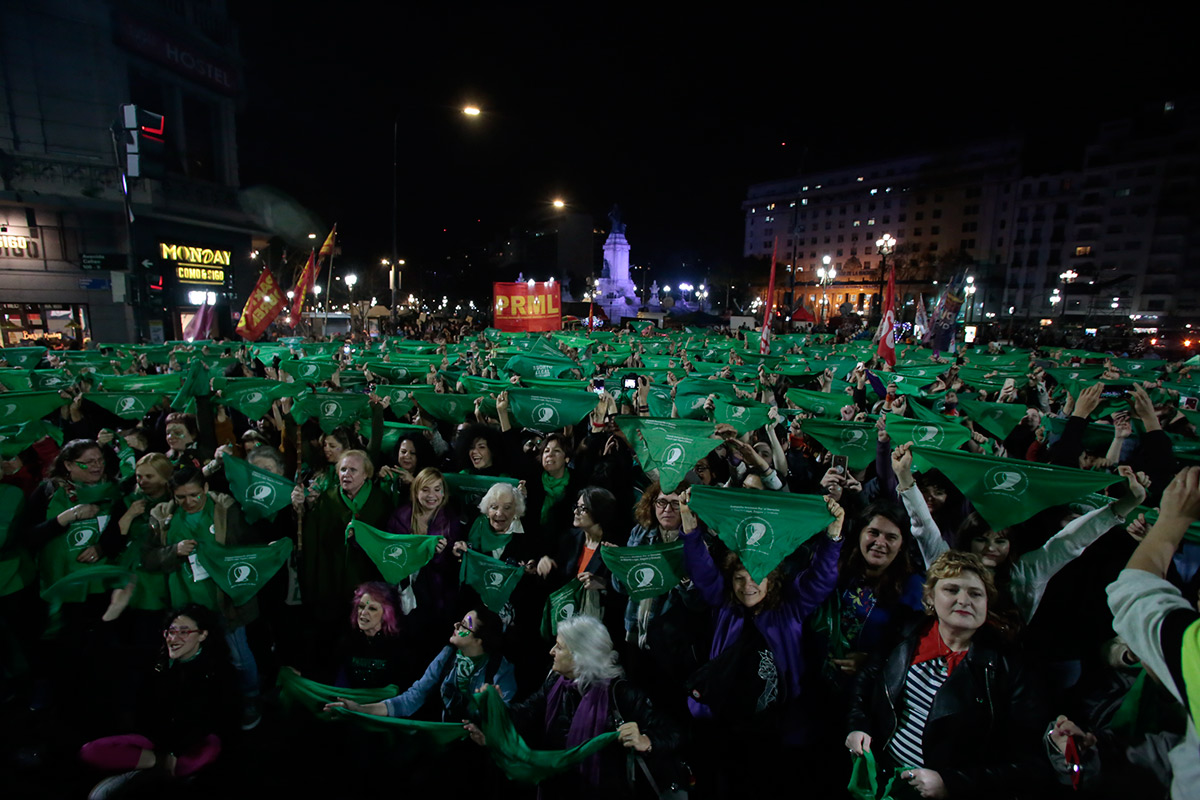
<point>937,213</point>
<point>967,244</point>
<point>932,246</point>
<point>920,215</point>
<point>857,223</point>
<point>916,232</point>
<point>935,230</point>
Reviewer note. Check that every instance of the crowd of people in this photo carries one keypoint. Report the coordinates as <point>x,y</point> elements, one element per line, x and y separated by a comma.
<point>628,563</point>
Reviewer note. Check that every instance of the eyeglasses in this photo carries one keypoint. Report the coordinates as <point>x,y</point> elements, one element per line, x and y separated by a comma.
<point>181,633</point>
<point>663,505</point>
<point>462,629</point>
<point>581,507</point>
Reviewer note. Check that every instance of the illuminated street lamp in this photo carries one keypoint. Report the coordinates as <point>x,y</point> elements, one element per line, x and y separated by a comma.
<point>558,203</point>
<point>471,111</point>
<point>970,292</point>
<point>825,276</point>
<point>885,244</point>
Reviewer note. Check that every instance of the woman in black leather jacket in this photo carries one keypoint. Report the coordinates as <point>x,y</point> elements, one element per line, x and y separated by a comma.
<point>951,707</point>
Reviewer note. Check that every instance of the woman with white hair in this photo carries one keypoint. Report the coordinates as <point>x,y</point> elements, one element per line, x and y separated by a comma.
<point>586,694</point>
<point>498,532</point>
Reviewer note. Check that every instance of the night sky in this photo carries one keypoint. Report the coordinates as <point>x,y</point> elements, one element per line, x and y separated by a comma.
<point>672,117</point>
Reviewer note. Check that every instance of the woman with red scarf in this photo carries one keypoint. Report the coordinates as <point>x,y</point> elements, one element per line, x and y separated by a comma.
<point>951,708</point>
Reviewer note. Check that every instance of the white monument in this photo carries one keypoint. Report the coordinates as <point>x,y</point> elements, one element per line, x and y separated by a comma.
<point>615,291</point>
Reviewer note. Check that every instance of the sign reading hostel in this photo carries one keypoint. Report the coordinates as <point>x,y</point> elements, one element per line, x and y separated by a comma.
<point>527,307</point>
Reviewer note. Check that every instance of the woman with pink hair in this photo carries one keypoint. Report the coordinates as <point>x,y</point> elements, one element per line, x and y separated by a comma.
<point>373,653</point>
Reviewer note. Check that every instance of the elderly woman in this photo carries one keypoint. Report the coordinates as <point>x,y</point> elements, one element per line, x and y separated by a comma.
<point>1025,577</point>
<point>373,653</point>
<point>584,696</point>
<point>434,587</point>
<point>332,565</point>
<point>951,706</point>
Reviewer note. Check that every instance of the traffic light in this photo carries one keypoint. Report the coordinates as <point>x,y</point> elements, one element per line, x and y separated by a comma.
<point>145,145</point>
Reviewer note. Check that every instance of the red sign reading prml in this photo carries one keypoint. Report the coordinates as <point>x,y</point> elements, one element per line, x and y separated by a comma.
<point>527,307</point>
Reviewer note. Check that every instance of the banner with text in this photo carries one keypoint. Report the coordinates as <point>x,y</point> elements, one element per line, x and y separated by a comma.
<point>527,307</point>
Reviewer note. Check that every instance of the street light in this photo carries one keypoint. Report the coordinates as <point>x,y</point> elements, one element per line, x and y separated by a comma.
<point>970,291</point>
<point>471,111</point>
<point>825,276</point>
<point>558,203</point>
<point>885,244</point>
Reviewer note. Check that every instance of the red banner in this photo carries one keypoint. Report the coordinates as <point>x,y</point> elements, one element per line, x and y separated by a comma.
<point>887,325</point>
<point>527,307</point>
<point>262,307</point>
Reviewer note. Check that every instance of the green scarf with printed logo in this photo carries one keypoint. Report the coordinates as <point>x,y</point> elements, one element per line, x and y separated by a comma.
<point>648,570</point>
<point>396,555</point>
<point>57,558</point>
<point>763,528</point>
<point>998,419</point>
<point>190,583</point>
<point>944,435</point>
<point>671,446</point>
<point>446,407</point>
<point>854,440</point>
<point>260,493</point>
<point>15,438</point>
<point>823,404</point>
<point>240,572</point>
<point>548,410</point>
<point>1006,491</point>
<point>562,604</point>
<point>493,579</point>
<point>317,370</point>
<point>743,415</point>
<point>17,408</point>
<point>23,357</point>
<point>330,409</point>
<point>255,399</point>
<point>127,405</point>
<point>469,489</point>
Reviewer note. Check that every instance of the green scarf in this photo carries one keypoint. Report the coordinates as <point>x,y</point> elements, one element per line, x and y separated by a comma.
<point>356,503</point>
<point>396,555</point>
<point>482,537</point>
<point>241,572</point>
<point>57,559</point>
<point>646,571</point>
<point>493,579</point>
<point>510,752</point>
<point>555,489</point>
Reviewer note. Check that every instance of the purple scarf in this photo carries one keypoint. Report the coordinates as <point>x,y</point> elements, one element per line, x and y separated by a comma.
<point>590,720</point>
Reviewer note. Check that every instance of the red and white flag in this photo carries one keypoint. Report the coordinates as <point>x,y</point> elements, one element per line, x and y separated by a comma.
<point>887,325</point>
<point>764,341</point>
<point>262,307</point>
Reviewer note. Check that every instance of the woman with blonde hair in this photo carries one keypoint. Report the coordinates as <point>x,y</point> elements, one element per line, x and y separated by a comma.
<point>434,586</point>
<point>951,707</point>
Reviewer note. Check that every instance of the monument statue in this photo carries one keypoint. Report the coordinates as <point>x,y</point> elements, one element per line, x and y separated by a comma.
<point>614,218</point>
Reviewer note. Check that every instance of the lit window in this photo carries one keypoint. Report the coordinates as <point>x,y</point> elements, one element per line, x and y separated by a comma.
<point>857,223</point>
<point>860,178</point>
<point>1083,251</point>
<point>791,205</point>
<point>771,207</point>
<point>871,221</point>
<point>874,192</point>
<point>804,202</point>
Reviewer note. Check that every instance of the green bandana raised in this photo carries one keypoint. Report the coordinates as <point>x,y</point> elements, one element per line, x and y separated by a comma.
<point>646,571</point>
<point>854,440</point>
<point>671,446</point>
<point>20,407</point>
<point>560,605</point>
<point>998,419</point>
<point>254,400</point>
<point>259,492</point>
<point>396,555</point>
<point>548,410</point>
<point>492,579</point>
<point>126,405</point>
<point>1006,491</point>
<point>241,572</point>
<point>743,415</point>
<point>822,404</point>
<point>306,371</point>
<point>763,528</point>
<point>330,409</point>
<point>944,435</point>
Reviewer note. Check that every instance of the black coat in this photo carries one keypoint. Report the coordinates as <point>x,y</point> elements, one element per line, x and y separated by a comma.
<point>986,725</point>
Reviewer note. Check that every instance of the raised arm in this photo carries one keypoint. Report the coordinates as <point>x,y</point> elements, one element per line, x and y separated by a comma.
<point>924,530</point>
<point>704,573</point>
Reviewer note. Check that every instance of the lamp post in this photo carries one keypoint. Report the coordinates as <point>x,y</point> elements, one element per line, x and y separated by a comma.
<point>350,280</point>
<point>970,292</point>
<point>885,244</point>
<point>825,276</point>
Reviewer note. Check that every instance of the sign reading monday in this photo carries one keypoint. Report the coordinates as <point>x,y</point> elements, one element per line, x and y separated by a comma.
<point>527,307</point>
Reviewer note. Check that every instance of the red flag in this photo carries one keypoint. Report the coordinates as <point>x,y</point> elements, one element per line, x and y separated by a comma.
<point>327,248</point>
<point>887,325</point>
<point>764,341</point>
<point>262,306</point>
<point>304,285</point>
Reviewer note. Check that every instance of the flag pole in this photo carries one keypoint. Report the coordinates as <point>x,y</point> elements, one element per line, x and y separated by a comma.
<point>764,341</point>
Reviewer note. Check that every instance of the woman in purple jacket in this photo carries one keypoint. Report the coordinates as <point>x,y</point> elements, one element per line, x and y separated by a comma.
<point>433,589</point>
<point>751,685</point>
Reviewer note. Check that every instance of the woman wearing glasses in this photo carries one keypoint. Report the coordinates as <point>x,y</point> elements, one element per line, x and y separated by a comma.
<point>578,559</point>
<point>471,660</point>
<point>72,521</point>
<point>187,704</point>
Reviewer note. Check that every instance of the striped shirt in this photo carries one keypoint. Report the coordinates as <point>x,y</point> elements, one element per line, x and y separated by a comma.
<point>922,683</point>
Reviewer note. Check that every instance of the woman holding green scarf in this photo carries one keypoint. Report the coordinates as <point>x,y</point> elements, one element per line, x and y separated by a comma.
<point>195,518</point>
<point>551,489</point>
<point>332,565</point>
<point>71,522</point>
<point>152,474</point>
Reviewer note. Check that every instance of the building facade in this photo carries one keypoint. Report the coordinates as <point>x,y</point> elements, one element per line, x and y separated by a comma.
<point>86,253</point>
<point>1102,244</point>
